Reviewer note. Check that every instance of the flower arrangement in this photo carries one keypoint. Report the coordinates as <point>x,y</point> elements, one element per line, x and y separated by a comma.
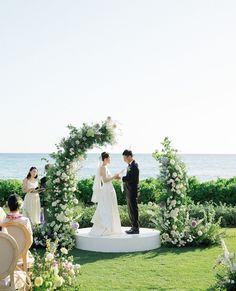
<point>55,270</point>
<point>177,227</point>
<point>61,180</point>
<point>225,271</point>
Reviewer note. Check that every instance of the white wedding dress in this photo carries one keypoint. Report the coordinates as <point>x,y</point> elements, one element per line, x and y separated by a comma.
<point>106,219</point>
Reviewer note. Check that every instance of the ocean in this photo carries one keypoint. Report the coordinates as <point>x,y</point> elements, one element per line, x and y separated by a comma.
<point>203,166</point>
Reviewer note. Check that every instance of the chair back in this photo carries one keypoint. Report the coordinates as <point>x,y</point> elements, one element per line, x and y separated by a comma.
<point>23,238</point>
<point>8,256</point>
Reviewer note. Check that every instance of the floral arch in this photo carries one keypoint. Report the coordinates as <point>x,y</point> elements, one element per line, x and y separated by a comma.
<point>62,181</point>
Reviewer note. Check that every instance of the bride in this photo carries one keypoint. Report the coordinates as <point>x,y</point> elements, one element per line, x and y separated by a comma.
<point>106,219</point>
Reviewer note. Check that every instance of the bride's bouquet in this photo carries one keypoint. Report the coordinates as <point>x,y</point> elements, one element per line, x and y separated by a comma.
<point>121,174</point>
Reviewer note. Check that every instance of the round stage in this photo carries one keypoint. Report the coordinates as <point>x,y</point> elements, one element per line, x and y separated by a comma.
<point>147,239</point>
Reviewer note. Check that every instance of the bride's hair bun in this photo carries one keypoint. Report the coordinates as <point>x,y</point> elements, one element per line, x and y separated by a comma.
<point>104,156</point>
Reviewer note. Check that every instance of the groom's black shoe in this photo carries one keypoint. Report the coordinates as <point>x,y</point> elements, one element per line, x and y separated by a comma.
<point>133,231</point>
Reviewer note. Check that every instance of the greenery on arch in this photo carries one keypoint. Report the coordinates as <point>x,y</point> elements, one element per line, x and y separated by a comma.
<point>61,222</point>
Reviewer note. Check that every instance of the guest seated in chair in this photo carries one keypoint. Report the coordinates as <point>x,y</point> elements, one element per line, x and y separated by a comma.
<point>15,203</point>
<point>14,218</point>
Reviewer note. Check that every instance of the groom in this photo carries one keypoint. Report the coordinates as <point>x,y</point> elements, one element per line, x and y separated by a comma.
<point>131,190</point>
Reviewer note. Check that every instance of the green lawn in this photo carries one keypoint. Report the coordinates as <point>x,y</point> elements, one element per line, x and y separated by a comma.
<point>162,269</point>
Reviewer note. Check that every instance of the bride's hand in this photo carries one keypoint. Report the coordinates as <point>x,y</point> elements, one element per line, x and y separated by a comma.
<point>117,177</point>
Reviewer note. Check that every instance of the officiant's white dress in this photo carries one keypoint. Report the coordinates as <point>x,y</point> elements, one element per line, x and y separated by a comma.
<point>106,219</point>
<point>31,206</point>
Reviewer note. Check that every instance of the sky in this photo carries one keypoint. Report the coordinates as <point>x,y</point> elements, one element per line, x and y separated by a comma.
<point>160,68</point>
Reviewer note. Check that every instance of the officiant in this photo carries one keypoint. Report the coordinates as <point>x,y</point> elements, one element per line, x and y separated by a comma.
<point>43,185</point>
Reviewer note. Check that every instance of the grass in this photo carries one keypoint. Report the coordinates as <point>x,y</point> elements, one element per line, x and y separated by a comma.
<point>161,269</point>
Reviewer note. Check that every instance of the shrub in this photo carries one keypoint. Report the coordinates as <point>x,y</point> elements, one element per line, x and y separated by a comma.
<point>8,187</point>
<point>219,191</point>
<point>85,190</point>
<point>145,215</point>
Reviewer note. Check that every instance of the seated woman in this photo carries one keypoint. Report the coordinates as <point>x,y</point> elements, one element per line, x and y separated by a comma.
<point>15,203</point>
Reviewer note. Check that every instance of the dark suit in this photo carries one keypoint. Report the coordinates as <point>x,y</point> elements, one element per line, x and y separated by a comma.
<point>131,190</point>
<point>43,184</point>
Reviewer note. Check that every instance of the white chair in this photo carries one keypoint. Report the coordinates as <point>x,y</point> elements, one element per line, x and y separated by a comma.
<point>9,278</point>
<point>24,241</point>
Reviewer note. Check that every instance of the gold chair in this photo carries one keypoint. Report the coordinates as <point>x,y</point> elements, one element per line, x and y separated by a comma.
<point>9,278</point>
<point>24,241</point>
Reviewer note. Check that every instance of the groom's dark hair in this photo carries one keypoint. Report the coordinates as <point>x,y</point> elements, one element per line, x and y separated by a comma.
<point>127,153</point>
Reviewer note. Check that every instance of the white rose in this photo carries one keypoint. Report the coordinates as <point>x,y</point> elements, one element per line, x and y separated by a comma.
<point>173,214</point>
<point>38,281</point>
<point>58,281</point>
<point>55,270</point>
<point>60,217</point>
<point>173,233</point>
<point>64,176</point>
<point>64,251</point>
<point>49,257</point>
<point>172,162</point>
<point>75,201</point>
<point>173,203</point>
<point>171,181</point>
<point>199,233</point>
<point>174,175</point>
<point>67,212</point>
<point>77,266</point>
<point>72,272</point>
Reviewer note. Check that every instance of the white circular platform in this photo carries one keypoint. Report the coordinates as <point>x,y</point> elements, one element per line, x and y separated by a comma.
<point>147,239</point>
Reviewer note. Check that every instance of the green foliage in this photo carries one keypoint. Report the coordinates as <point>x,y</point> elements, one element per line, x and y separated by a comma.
<point>8,187</point>
<point>148,188</point>
<point>226,214</point>
<point>85,190</point>
<point>219,191</point>
<point>150,191</point>
<point>145,215</point>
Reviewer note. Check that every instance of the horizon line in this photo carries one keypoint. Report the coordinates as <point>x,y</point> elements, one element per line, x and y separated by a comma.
<point>118,153</point>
